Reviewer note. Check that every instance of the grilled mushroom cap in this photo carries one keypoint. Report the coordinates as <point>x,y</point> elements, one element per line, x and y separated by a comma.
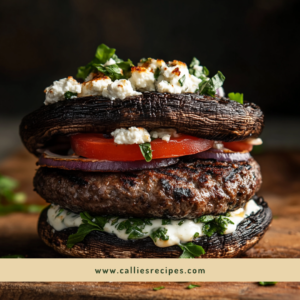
<point>207,117</point>
<point>103,245</point>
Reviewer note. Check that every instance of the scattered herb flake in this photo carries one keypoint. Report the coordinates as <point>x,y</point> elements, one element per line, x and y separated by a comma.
<point>265,283</point>
<point>156,73</point>
<point>181,222</point>
<point>166,221</point>
<point>196,235</point>
<point>158,288</point>
<point>236,97</point>
<point>191,250</point>
<point>70,95</point>
<point>182,80</point>
<point>192,286</point>
<point>160,233</point>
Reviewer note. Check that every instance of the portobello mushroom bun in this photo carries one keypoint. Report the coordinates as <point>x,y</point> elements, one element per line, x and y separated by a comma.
<point>146,161</point>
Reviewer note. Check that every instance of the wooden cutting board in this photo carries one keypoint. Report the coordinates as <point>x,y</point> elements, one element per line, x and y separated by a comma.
<point>281,189</point>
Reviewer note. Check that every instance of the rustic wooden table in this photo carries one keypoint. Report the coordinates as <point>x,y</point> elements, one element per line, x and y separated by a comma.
<point>281,189</point>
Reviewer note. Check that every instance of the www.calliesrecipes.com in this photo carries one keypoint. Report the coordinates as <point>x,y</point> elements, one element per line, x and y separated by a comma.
<point>137,270</point>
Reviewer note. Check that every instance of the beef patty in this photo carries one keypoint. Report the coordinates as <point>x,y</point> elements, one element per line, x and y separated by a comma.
<point>189,189</point>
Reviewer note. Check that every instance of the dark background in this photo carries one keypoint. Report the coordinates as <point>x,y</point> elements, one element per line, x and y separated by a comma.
<point>254,43</point>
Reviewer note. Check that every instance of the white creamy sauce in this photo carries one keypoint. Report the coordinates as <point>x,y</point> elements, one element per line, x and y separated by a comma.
<point>56,92</point>
<point>60,219</point>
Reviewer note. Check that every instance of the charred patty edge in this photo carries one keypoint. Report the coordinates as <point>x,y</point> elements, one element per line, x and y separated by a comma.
<point>104,245</point>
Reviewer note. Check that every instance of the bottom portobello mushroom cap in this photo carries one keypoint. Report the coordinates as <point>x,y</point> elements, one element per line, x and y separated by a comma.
<point>103,245</point>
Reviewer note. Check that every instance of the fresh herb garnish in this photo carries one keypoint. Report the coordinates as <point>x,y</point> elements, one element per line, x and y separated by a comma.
<point>192,286</point>
<point>196,235</point>
<point>86,227</point>
<point>102,55</point>
<point>191,250</point>
<point>143,60</point>
<point>265,283</point>
<point>156,73</point>
<point>13,256</point>
<point>69,95</point>
<point>158,288</point>
<point>166,221</point>
<point>204,219</point>
<point>198,72</point>
<point>159,233</point>
<point>146,151</point>
<point>218,224</point>
<point>210,86</point>
<point>182,80</point>
<point>236,97</point>
<point>134,227</point>
<point>60,211</point>
<point>181,222</point>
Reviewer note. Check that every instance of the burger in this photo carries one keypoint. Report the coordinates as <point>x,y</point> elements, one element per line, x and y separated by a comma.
<point>148,161</point>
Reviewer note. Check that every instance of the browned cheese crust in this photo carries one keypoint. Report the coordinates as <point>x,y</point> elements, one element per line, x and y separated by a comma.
<point>104,245</point>
<point>202,116</point>
<point>189,189</point>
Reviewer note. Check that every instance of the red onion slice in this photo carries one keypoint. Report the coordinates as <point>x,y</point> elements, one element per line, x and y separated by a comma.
<point>220,155</point>
<point>51,160</point>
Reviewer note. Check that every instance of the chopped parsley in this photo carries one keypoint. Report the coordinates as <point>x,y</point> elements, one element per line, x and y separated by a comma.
<point>192,286</point>
<point>158,288</point>
<point>265,283</point>
<point>196,235</point>
<point>69,95</point>
<point>160,233</point>
<point>191,250</point>
<point>181,222</point>
<point>204,219</point>
<point>210,86</point>
<point>182,80</point>
<point>119,70</point>
<point>218,224</point>
<point>156,73</point>
<point>236,97</point>
<point>146,151</point>
<point>166,221</point>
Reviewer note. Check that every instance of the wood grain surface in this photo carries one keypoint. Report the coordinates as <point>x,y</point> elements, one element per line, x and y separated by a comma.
<point>281,189</point>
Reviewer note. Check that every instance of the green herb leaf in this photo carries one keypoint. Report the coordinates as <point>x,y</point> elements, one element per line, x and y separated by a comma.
<point>69,95</point>
<point>182,80</point>
<point>192,286</point>
<point>13,256</point>
<point>158,288</point>
<point>166,221</point>
<point>204,219</point>
<point>218,224</point>
<point>156,73</point>
<point>209,86</point>
<point>191,250</point>
<point>195,62</point>
<point>59,212</point>
<point>236,97</point>
<point>181,222</point>
<point>196,235</point>
<point>143,60</point>
<point>160,233</point>
<point>102,55</point>
<point>265,283</point>
<point>146,151</point>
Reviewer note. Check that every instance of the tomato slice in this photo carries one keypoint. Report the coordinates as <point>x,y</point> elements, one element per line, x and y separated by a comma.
<point>238,146</point>
<point>94,145</point>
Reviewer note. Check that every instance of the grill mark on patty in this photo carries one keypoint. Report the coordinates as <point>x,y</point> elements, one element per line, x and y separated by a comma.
<point>180,193</point>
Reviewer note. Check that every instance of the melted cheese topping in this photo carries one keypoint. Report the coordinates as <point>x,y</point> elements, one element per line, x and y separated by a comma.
<point>60,219</point>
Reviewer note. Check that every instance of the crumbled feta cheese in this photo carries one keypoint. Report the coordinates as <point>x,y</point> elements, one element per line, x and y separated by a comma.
<point>95,86</point>
<point>110,62</point>
<point>218,145</point>
<point>152,64</point>
<point>171,75</point>
<point>119,89</point>
<point>142,79</point>
<point>164,133</point>
<point>130,136</point>
<point>255,142</point>
<point>56,92</point>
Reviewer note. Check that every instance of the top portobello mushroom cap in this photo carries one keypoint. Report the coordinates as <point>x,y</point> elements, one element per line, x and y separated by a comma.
<point>213,118</point>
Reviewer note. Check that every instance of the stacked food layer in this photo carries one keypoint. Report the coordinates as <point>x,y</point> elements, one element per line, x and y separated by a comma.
<point>146,161</point>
